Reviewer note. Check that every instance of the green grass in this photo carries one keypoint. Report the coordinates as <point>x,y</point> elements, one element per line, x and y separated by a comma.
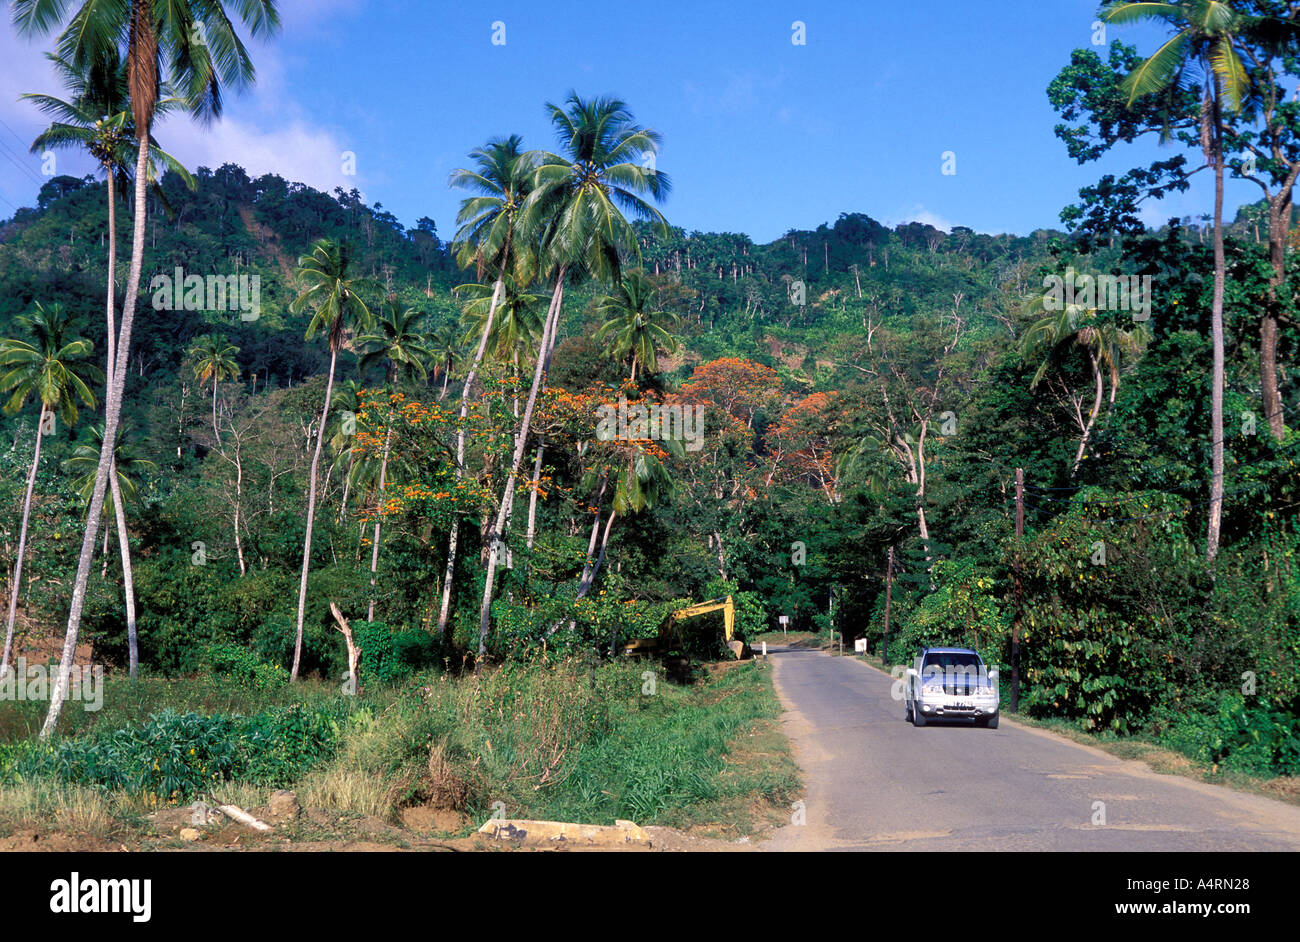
<point>580,741</point>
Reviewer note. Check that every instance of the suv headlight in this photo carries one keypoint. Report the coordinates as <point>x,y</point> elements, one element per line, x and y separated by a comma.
<point>932,690</point>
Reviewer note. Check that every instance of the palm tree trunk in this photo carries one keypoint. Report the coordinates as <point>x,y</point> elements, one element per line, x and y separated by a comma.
<point>1278,223</point>
<point>374,549</point>
<point>128,577</point>
<point>311,516</point>
<point>557,300</point>
<point>112,417</point>
<point>1216,330</point>
<point>604,542</point>
<point>508,496</point>
<point>215,431</point>
<point>1092,417</point>
<point>111,341</point>
<point>587,567</point>
<point>453,538</point>
<point>22,545</point>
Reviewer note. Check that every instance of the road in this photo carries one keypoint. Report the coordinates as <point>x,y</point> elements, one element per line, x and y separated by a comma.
<point>875,782</point>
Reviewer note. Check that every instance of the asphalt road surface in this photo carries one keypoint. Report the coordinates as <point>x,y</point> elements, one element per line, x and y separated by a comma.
<point>875,782</point>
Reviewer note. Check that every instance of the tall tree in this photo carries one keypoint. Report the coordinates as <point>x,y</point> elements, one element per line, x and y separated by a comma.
<point>47,364</point>
<point>1201,51</point>
<point>576,212</point>
<point>214,360</point>
<point>398,341</point>
<point>487,239</point>
<point>331,292</point>
<point>128,464</point>
<point>192,46</point>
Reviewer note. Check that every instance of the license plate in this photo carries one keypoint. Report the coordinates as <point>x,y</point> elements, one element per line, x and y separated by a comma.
<point>963,706</point>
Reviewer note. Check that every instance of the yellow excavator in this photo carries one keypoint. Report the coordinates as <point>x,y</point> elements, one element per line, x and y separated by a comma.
<point>670,633</point>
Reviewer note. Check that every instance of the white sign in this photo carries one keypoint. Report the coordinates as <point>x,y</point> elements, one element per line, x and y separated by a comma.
<point>860,646</point>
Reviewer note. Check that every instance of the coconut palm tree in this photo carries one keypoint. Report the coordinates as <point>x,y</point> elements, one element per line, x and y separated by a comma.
<point>514,329</point>
<point>1202,51</point>
<point>445,343</point>
<point>338,309</point>
<point>576,214</point>
<point>488,239</point>
<point>631,325</point>
<point>398,341</point>
<point>192,47</point>
<point>214,360</point>
<point>97,119</point>
<point>128,464</point>
<point>1104,344</point>
<point>48,364</point>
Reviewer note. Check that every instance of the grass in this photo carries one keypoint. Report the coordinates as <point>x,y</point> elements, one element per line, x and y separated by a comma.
<point>580,741</point>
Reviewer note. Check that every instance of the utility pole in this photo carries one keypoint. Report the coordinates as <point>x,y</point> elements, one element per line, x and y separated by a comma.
<point>1015,624</point>
<point>889,591</point>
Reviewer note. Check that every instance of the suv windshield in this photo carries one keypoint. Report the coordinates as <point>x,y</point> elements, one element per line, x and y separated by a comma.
<point>954,666</point>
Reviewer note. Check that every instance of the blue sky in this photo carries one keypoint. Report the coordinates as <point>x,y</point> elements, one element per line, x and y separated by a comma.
<point>760,135</point>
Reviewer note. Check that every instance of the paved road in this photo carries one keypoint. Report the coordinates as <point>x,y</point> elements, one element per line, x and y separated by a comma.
<point>875,782</point>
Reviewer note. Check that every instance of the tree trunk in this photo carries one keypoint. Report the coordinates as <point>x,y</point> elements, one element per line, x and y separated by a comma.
<point>311,516</point>
<point>374,549</point>
<point>1278,222</point>
<point>508,496</point>
<point>557,301</point>
<point>588,567</point>
<point>1216,330</point>
<point>453,538</point>
<point>128,578</point>
<point>1092,417</point>
<point>604,542</point>
<point>112,417</point>
<point>22,545</point>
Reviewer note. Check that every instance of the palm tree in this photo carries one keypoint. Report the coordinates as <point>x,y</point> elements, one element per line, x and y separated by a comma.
<point>214,360</point>
<point>576,213</point>
<point>1102,342</point>
<point>487,238</point>
<point>47,364</point>
<point>338,308</point>
<point>398,340</point>
<point>1203,44</point>
<point>191,46</point>
<point>128,463</point>
<point>632,327</point>
<point>97,119</point>
<point>445,343</point>
<point>517,323</point>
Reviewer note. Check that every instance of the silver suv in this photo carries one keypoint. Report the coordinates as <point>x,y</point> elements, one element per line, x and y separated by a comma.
<point>951,683</point>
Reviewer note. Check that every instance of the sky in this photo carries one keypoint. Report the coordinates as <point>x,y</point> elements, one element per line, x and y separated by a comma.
<point>761,134</point>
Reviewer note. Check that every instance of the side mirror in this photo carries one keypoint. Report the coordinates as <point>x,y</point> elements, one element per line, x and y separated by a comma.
<point>993,675</point>
<point>911,672</point>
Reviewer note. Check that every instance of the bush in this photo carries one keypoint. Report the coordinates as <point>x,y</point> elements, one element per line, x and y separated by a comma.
<point>388,656</point>
<point>1255,739</point>
<point>175,757</point>
<point>227,660</point>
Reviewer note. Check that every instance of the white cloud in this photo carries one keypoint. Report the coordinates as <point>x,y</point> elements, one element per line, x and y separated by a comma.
<point>263,129</point>
<point>919,213</point>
